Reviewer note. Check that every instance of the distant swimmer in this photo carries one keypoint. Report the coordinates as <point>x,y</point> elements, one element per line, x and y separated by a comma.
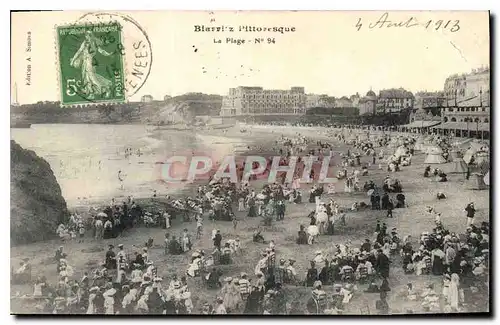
<point>121,178</point>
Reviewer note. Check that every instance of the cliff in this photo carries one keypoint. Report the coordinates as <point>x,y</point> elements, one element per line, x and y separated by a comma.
<point>193,104</point>
<point>36,203</point>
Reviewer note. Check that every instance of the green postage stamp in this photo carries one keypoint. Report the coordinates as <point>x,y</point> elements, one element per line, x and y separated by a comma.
<point>91,63</point>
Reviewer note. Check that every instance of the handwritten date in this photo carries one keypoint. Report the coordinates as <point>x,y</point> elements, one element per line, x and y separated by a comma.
<point>384,22</point>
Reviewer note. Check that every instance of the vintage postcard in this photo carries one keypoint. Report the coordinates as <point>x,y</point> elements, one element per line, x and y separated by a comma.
<point>250,163</point>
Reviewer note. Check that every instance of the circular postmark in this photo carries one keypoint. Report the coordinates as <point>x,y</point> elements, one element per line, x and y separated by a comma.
<point>104,57</point>
<point>135,47</point>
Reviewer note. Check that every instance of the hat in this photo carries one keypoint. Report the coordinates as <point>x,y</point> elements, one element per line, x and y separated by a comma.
<point>94,289</point>
<point>158,279</point>
<point>228,279</point>
<point>243,274</point>
<point>109,292</point>
<point>317,284</point>
<point>478,271</point>
<point>111,246</point>
<point>319,252</point>
<point>291,260</point>
<point>120,246</point>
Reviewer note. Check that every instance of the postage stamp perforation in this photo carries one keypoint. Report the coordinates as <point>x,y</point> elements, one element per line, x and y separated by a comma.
<point>57,63</point>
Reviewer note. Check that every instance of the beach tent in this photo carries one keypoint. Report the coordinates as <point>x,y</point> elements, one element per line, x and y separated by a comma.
<point>434,156</point>
<point>459,166</point>
<point>475,182</point>
<point>486,179</point>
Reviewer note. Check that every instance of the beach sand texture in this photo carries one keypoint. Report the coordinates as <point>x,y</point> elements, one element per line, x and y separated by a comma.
<point>419,191</point>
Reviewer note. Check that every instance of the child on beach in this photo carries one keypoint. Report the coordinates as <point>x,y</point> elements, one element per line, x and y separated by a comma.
<point>235,222</point>
<point>199,226</point>
<point>81,231</point>
<point>241,204</point>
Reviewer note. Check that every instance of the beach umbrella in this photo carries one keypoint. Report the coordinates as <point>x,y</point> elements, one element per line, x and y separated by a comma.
<point>370,192</point>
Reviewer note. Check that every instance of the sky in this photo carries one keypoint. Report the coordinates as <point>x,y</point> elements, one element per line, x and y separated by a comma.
<point>326,53</point>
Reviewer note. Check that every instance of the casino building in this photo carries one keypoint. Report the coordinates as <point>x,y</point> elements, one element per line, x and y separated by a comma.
<point>259,101</point>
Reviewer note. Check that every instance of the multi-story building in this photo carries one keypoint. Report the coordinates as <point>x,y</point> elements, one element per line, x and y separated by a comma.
<point>428,101</point>
<point>315,100</point>
<point>394,100</point>
<point>471,89</point>
<point>146,98</point>
<point>343,102</point>
<point>467,109</point>
<point>256,100</point>
<point>368,104</point>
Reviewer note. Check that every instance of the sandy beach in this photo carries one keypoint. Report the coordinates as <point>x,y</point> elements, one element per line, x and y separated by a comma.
<point>413,220</point>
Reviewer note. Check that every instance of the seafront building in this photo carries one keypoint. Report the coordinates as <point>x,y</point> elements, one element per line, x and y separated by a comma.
<point>462,109</point>
<point>258,101</point>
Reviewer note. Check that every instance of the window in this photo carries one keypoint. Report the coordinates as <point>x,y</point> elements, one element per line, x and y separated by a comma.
<point>486,120</point>
<point>445,119</point>
<point>453,119</point>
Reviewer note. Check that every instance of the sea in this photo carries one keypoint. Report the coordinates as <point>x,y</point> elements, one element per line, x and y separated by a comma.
<point>87,158</point>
